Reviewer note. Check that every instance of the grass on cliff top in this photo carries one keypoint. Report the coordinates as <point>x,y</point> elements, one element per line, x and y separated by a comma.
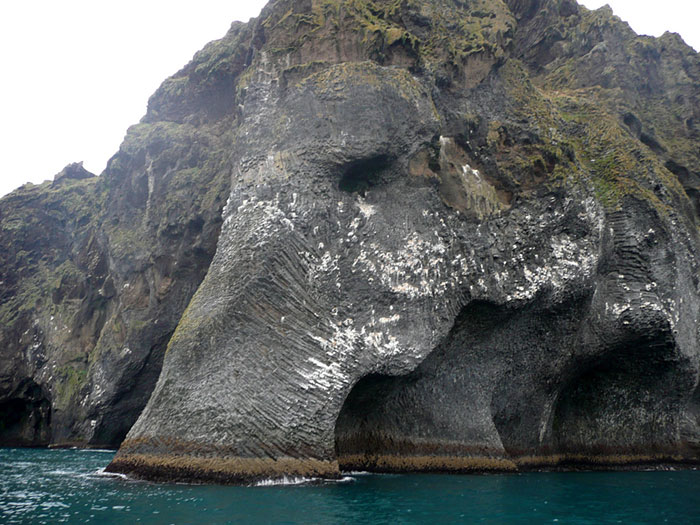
<point>655,79</point>
<point>291,29</point>
<point>618,165</point>
<point>29,214</point>
<point>443,33</point>
<point>582,131</point>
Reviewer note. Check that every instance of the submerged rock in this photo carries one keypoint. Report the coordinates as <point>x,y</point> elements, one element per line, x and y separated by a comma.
<point>459,236</point>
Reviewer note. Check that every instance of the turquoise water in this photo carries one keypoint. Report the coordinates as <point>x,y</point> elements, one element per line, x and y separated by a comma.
<point>68,486</point>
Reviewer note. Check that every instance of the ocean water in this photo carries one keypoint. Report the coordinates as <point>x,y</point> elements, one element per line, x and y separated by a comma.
<point>69,486</point>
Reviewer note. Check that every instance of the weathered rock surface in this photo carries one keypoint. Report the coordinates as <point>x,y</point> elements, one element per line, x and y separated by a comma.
<point>459,236</point>
<point>94,276</point>
<point>456,239</point>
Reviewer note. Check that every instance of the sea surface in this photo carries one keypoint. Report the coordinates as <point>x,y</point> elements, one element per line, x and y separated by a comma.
<point>69,486</point>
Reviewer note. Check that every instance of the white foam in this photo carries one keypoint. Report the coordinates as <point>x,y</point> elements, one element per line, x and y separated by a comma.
<point>60,472</point>
<point>294,480</point>
<point>101,472</point>
<point>344,479</point>
<point>299,480</point>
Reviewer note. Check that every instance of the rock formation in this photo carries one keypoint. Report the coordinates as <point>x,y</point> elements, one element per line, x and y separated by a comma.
<point>459,235</point>
<point>94,276</point>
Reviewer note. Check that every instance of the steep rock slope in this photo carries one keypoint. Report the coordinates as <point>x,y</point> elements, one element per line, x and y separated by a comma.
<point>95,274</point>
<point>460,235</point>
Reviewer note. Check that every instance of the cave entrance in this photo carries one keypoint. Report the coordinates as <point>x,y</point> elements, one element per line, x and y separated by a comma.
<point>363,427</point>
<point>420,420</point>
<point>25,419</point>
<point>626,404</point>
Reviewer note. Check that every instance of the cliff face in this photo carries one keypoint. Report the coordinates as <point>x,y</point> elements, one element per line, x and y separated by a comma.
<point>95,274</point>
<point>459,236</point>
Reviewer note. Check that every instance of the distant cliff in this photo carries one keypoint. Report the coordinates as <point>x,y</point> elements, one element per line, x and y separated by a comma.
<point>457,235</point>
<point>95,274</point>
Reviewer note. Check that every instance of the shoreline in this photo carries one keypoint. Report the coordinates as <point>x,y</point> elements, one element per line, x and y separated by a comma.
<point>250,471</point>
<point>257,471</point>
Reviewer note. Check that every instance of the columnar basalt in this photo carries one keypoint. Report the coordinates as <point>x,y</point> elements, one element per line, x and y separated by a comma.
<point>458,236</point>
<point>428,263</point>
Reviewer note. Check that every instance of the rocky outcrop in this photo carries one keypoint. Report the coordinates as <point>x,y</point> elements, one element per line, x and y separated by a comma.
<point>458,236</point>
<point>453,242</point>
<point>94,276</point>
<point>73,171</point>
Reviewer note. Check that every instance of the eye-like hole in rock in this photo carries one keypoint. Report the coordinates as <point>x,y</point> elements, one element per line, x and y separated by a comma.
<point>363,174</point>
<point>25,420</point>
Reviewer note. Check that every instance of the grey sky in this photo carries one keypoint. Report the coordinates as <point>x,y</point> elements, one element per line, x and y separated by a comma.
<point>77,73</point>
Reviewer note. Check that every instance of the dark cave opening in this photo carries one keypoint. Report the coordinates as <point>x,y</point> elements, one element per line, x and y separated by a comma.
<point>25,420</point>
<point>362,175</point>
<point>690,432</point>
<point>428,416</point>
<point>627,403</point>
<point>357,430</point>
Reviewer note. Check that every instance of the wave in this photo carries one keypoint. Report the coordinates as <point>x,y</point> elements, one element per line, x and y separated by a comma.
<point>344,479</point>
<point>285,480</point>
<point>101,473</point>
<point>299,480</point>
<point>61,472</point>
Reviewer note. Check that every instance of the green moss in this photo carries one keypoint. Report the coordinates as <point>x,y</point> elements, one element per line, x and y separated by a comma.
<point>334,80</point>
<point>71,381</point>
<point>656,82</point>
<point>174,87</point>
<point>578,139</point>
<point>453,33</point>
<point>607,179</point>
<point>29,214</point>
<point>617,164</point>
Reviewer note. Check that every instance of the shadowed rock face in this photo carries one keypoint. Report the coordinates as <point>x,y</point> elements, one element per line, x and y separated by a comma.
<point>95,273</point>
<point>433,260</point>
<point>458,236</point>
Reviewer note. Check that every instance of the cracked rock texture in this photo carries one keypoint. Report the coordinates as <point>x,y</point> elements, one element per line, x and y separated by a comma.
<point>459,235</point>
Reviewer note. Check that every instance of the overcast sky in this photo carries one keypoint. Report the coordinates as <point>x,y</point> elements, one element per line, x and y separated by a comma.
<point>77,73</point>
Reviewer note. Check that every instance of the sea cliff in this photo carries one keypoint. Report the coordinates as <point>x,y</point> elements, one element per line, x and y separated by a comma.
<point>390,235</point>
